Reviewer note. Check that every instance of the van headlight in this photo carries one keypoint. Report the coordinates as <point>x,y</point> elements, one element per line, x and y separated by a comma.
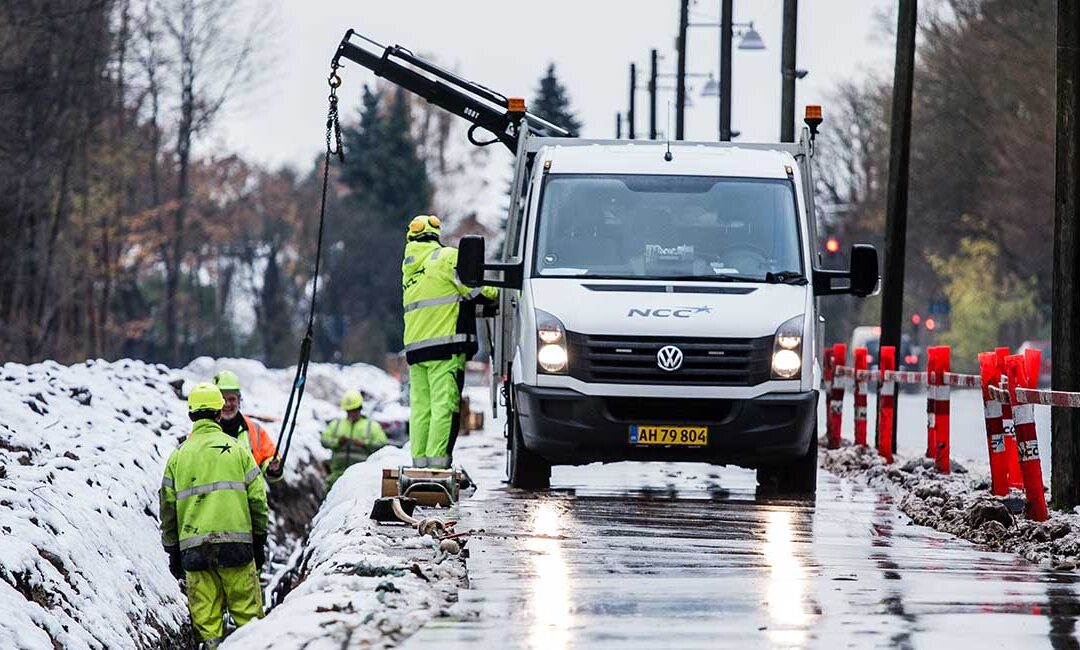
<point>551,354</point>
<point>787,349</point>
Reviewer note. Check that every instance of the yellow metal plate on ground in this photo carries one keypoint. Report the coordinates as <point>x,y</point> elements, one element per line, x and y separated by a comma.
<point>641,434</point>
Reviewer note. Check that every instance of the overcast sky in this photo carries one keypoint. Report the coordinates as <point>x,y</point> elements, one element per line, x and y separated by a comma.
<point>507,46</point>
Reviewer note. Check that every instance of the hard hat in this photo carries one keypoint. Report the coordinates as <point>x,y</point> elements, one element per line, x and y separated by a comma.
<point>423,224</point>
<point>351,400</point>
<point>227,380</point>
<point>205,396</point>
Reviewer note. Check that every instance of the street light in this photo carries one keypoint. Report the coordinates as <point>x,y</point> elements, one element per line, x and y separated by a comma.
<point>749,39</point>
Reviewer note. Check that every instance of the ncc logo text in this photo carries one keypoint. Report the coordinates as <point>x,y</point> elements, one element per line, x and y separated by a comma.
<point>667,312</point>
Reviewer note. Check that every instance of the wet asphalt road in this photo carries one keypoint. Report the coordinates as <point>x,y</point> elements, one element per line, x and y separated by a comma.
<point>688,556</point>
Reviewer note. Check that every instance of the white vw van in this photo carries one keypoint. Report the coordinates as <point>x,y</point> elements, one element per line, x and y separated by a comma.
<point>659,302</point>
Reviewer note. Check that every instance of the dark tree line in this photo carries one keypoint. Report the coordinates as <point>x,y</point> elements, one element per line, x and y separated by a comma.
<point>981,201</point>
<point>122,234</point>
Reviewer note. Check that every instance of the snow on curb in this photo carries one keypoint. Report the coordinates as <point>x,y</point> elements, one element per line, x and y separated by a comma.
<point>357,583</point>
<point>961,504</point>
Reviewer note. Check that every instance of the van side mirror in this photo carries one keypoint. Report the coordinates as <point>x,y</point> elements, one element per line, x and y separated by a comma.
<point>471,266</point>
<point>864,270</point>
<point>861,278</point>
<point>470,260</point>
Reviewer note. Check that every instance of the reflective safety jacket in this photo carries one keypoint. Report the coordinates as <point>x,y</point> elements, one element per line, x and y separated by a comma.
<point>440,318</point>
<point>367,436</point>
<point>212,492</point>
<point>261,445</point>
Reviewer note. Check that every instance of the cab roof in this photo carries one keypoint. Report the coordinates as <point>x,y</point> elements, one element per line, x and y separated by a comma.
<point>647,157</point>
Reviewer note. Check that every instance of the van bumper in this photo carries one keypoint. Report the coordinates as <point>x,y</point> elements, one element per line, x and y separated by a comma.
<point>567,427</point>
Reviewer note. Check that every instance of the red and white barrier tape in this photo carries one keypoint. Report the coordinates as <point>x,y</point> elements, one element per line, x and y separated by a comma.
<point>998,395</point>
<point>962,380</point>
<point>951,378</point>
<point>1047,397</point>
<point>873,376</point>
<point>905,377</point>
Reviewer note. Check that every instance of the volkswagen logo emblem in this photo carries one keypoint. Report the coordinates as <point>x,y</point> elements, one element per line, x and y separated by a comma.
<point>669,358</point>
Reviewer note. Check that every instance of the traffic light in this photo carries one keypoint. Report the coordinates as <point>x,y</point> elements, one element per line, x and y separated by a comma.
<point>930,324</point>
<point>832,245</point>
<point>916,319</point>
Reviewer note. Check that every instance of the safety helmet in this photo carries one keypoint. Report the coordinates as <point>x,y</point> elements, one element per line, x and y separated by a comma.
<point>227,380</point>
<point>205,397</point>
<point>423,224</point>
<point>351,400</point>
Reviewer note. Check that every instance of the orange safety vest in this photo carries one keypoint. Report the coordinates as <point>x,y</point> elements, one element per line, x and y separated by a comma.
<point>262,446</point>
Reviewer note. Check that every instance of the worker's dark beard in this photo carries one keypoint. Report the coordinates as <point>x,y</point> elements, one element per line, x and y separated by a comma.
<point>232,427</point>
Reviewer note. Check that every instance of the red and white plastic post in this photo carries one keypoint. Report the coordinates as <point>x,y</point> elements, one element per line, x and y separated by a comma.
<point>931,397</point>
<point>836,397</point>
<point>941,389</point>
<point>1027,442</point>
<point>861,385</point>
<point>995,436</point>
<point>1012,456</point>
<point>830,365</point>
<point>886,406</point>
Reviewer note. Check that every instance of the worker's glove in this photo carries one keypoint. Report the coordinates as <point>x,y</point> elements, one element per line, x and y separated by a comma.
<point>175,567</point>
<point>274,469</point>
<point>258,548</point>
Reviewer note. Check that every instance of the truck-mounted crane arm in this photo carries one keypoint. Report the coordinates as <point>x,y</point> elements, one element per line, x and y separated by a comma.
<point>482,107</point>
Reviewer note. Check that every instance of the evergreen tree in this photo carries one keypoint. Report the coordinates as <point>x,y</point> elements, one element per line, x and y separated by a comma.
<point>388,185</point>
<point>553,103</point>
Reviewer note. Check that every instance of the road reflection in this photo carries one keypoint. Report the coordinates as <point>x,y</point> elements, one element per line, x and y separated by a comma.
<point>785,594</point>
<point>550,597</point>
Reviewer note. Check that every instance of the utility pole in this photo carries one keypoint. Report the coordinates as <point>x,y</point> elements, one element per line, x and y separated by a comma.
<point>652,95</point>
<point>680,71</point>
<point>631,114</point>
<point>787,72</point>
<point>896,202</point>
<point>618,126</point>
<point>1065,423</point>
<point>726,29</point>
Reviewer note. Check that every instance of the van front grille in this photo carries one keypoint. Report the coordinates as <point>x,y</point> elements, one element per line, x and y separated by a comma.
<point>633,360</point>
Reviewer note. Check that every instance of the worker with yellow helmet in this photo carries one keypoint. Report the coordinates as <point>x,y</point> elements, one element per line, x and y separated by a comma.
<point>247,432</point>
<point>213,520</point>
<point>352,438</point>
<point>440,334</point>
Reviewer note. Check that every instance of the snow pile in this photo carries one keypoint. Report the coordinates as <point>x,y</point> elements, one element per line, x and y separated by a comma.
<point>961,504</point>
<point>295,500</point>
<point>82,451</point>
<point>357,583</point>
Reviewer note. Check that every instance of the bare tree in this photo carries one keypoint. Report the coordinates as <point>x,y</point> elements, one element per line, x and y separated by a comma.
<point>209,44</point>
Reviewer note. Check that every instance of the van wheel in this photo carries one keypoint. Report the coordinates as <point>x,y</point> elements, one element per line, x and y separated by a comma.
<point>524,469</point>
<point>795,477</point>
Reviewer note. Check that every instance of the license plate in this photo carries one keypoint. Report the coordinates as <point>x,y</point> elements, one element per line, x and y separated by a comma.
<point>669,435</point>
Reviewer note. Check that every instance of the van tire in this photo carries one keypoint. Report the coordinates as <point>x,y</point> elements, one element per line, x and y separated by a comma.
<point>796,477</point>
<point>524,469</point>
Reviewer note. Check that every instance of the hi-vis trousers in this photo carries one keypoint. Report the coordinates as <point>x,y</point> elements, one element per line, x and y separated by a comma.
<point>435,403</point>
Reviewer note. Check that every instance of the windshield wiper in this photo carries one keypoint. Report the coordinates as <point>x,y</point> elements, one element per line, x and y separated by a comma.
<point>786,277</point>
<point>719,277</point>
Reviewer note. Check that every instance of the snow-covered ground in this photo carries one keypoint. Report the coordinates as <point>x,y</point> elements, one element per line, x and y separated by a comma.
<point>358,583</point>
<point>959,503</point>
<point>82,450</point>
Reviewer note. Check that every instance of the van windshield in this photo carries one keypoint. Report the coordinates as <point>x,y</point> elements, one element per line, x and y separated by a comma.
<point>668,227</point>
